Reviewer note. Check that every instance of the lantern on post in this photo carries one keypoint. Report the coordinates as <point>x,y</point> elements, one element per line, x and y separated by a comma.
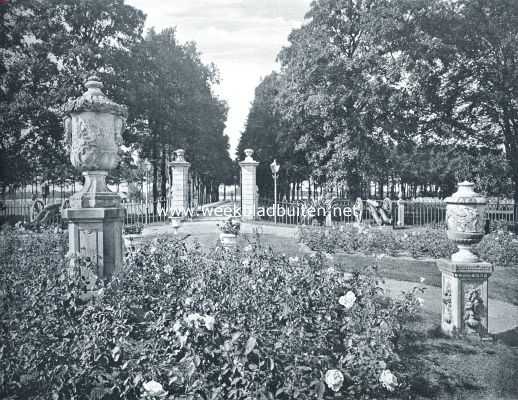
<point>274,167</point>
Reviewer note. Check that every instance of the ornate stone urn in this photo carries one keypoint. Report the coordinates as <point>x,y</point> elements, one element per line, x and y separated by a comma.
<point>465,212</point>
<point>464,277</point>
<point>93,126</point>
<point>93,129</point>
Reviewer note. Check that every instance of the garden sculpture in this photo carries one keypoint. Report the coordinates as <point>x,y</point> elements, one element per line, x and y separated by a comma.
<point>358,210</point>
<point>382,214</point>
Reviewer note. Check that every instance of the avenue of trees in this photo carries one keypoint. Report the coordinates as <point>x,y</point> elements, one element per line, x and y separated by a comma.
<point>418,92</point>
<point>48,48</point>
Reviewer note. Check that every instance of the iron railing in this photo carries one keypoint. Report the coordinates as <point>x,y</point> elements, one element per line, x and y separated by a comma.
<point>416,213</point>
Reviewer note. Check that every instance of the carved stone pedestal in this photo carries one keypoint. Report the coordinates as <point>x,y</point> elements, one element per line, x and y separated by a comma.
<point>97,233</point>
<point>464,297</point>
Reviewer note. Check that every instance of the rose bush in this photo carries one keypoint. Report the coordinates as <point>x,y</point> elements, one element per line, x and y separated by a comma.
<point>424,242</point>
<point>179,323</point>
<point>499,247</point>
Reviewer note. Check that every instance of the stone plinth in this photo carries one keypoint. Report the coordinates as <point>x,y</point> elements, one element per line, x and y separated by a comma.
<point>180,182</point>
<point>248,186</point>
<point>464,297</point>
<point>96,233</point>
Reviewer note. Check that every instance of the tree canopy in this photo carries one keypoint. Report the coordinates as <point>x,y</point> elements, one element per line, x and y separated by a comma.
<point>47,50</point>
<point>421,93</point>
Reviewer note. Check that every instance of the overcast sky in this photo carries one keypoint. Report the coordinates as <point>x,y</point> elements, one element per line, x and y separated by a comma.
<point>242,37</point>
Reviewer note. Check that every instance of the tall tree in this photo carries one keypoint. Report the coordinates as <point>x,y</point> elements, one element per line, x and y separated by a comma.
<point>46,50</point>
<point>342,96</point>
<point>463,65</point>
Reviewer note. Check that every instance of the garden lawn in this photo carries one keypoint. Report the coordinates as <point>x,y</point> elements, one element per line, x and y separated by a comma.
<point>503,283</point>
<point>458,369</point>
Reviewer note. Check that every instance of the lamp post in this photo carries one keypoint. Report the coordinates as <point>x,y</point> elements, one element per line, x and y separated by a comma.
<point>274,166</point>
<point>148,166</point>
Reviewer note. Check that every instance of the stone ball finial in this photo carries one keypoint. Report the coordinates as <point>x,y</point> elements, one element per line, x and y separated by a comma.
<point>180,155</point>
<point>249,153</point>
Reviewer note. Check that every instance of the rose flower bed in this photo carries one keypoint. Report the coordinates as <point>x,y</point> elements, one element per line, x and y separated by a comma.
<point>425,242</point>
<point>499,247</point>
<point>177,323</point>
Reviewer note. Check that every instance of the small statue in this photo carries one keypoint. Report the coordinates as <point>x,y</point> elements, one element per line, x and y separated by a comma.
<point>381,214</point>
<point>358,210</point>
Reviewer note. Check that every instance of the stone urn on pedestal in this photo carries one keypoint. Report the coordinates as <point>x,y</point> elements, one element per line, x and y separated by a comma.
<point>93,128</point>
<point>228,233</point>
<point>465,277</point>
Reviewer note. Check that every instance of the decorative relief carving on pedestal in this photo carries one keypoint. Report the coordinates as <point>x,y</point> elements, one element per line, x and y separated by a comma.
<point>447,303</point>
<point>473,309</point>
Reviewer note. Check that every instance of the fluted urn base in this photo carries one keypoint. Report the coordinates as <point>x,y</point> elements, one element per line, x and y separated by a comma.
<point>95,193</point>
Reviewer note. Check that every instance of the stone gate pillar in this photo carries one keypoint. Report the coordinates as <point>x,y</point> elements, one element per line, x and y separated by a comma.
<point>93,127</point>
<point>180,182</point>
<point>248,186</point>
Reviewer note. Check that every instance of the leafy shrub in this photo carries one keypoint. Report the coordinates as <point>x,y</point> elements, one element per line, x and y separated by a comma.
<point>230,226</point>
<point>433,243</point>
<point>135,229</point>
<point>500,248</point>
<point>179,323</point>
<point>350,238</point>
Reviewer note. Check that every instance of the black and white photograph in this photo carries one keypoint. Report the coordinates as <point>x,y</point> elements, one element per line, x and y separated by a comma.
<point>258,199</point>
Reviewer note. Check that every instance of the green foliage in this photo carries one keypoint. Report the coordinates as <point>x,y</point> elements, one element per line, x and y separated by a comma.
<point>46,50</point>
<point>349,239</point>
<point>133,229</point>
<point>499,248</point>
<point>372,91</point>
<point>172,105</point>
<point>230,226</point>
<point>187,324</point>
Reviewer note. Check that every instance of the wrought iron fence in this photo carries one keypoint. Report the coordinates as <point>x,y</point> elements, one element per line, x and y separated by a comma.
<point>416,213</point>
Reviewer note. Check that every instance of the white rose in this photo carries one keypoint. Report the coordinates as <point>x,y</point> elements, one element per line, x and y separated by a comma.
<point>420,300</point>
<point>209,322</point>
<point>191,318</point>
<point>154,389</point>
<point>388,380</point>
<point>293,260</point>
<point>176,327</point>
<point>348,300</point>
<point>334,379</point>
